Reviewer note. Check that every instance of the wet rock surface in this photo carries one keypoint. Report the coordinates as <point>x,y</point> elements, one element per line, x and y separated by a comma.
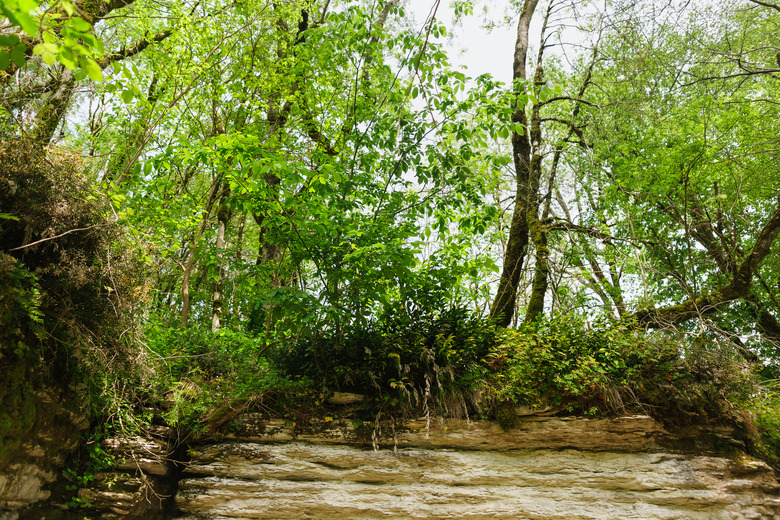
<point>547,468</point>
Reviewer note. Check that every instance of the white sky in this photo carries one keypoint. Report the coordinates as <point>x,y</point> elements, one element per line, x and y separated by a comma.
<point>470,43</point>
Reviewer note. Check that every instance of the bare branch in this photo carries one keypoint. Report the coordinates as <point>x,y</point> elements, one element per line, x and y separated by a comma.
<point>47,239</point>
<point>770,5</point>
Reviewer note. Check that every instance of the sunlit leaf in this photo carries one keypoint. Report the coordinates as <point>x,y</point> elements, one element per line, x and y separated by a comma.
<point>92,68</point>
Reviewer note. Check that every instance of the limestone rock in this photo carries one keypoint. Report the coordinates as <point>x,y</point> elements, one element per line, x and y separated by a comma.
<point>302,480</point>
<point>547,468</point>
<point>345,398</point>
<point>635,433</point>
<point>39,458</point>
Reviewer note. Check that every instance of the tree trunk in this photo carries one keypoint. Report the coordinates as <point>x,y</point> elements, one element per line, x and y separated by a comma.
<point>217,304</point>
<point>536,228</point>
<point>503,308</point>
<point>50,116</point>
<point>185,284</point>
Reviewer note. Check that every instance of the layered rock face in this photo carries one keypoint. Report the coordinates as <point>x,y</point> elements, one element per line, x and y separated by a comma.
<point>547,468</point>
<point>39,458</point>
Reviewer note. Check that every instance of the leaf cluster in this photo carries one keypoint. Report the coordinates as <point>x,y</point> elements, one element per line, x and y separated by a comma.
<point>566,363</point>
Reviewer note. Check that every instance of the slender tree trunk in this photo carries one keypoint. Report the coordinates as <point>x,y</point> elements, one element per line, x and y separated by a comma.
<point>536,228</point>
<point>503,308</point>
<point>217,303</point>
<point>185,284</point>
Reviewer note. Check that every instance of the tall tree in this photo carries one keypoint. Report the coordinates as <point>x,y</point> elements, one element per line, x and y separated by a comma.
<point>503,308</point>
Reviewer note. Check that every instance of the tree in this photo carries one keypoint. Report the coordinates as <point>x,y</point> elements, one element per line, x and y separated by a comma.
<point>682,169</point>
<point>535,181</point>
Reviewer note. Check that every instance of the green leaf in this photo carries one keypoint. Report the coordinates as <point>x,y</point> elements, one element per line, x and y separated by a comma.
<point>27,5</point>
<point>27,23</point>
<point>66,57</point>
<point>127,96</point>
<point>5,59</point>
<point>80,24</point>
<point>92,42</point>
<point>46,50</point>
<point>18,55</point>
<point>8,40</point>
<point>92,69</point>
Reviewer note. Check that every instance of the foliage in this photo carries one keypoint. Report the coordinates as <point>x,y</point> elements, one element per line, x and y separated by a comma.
<point>64,234</point>
<point>57,31</point>
<point>608,367</point>
<point>567,363</point>
<point>711,381</point>
<point>413,357</point>
<point>766,410</point>
<point>199,372</point>
<point>86,463</point>
<point>20,340</point>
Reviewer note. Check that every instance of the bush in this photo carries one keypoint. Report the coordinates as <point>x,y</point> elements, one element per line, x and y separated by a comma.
<point>613,367</point>
<point>58,226</point>
<point>711,382</point>
<point>192,351</point>
<point>566,363</point>
<point>410,360</point>
<point>199,372</point>
<point>766,411</point>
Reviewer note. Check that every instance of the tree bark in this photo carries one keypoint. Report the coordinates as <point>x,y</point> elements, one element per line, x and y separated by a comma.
<point>503,308</point>
<point>217,304</point>
<point>537,230</point>
<point>50,115</point>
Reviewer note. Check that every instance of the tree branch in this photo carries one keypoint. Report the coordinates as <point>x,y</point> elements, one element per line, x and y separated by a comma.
<point>766,4</point>
<point>134,49</point>
<point>737,289</point>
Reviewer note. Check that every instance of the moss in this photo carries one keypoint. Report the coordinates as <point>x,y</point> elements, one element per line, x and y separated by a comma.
<point>506,417</point>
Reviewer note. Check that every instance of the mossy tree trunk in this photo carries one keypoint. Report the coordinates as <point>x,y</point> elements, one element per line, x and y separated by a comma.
<point>503,308</point>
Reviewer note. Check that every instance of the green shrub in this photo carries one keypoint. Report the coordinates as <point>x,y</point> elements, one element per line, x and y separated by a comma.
<point>710,383</point>
<point>196,350</point>
<point>766,411</point>
<point>613,367</point>
<point>567,363</point>
<point>408,358</point>
<point>198,371</point>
